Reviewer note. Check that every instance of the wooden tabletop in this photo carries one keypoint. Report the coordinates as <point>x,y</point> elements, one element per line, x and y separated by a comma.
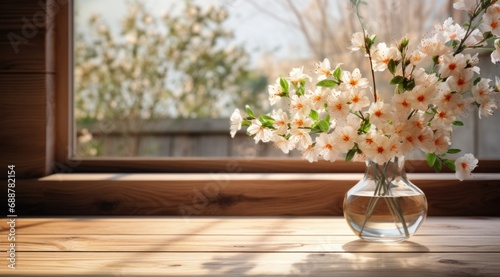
<point>245,246</point>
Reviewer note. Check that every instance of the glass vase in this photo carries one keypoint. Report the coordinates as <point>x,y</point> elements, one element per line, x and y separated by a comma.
<point>384,205</point>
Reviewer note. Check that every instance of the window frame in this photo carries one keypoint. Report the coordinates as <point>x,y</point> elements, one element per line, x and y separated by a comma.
<point>66,161</point>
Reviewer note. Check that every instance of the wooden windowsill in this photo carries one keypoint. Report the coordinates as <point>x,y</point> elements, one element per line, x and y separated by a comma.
<point>224,194</point>
<point>259,246</point>
<point>249,176</point>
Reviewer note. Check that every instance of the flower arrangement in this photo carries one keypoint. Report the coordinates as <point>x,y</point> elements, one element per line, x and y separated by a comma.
<point>436,83</point>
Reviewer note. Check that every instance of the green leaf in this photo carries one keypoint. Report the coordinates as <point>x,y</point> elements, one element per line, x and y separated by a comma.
<point>267,118</point>
<point>301,89</point>
<point>366,127</point>
<point>246,123</point>
<point>438,165</point>
<point>487,35</point>
<point>408,84</point>
<point>324,125</point>
<point>435,59</point>
<point>284,85</point>
<point>314,115</point>
<point>392,66</point>
<point>337,74</point>
<point>350,154</point>
<point>452,43</point>
<point>449,164</point>
<point>431,159</point>
<point>249,111</point>
<point>478,79</point>
<point>453,151</point>
<point>266,121</point>
<point>370,41</point>
<point>458,123</point>
<point>404,42</point>
<point>326,83</point>
<point>397,80</point>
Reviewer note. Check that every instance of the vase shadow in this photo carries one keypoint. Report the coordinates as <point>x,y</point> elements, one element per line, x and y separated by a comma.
<point>360,245</point>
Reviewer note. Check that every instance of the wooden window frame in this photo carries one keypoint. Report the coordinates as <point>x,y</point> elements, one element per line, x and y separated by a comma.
<point>64,154</point>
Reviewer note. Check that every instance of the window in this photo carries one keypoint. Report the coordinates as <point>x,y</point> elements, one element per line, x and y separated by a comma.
<point>180,145</point>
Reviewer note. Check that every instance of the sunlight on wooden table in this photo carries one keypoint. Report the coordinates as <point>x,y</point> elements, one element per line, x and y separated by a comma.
<point>247,246</point>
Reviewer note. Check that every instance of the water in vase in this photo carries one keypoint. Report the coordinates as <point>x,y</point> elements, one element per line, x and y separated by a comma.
<point>382,218</point>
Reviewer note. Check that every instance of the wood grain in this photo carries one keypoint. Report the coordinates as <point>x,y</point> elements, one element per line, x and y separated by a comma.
<point>241,226</point>
<point>23,119</point>
<point>13,12</point>
<point>260,243</point>
<point>62,93</point>
<point>237,246</point>
<point>250,164</point>
<point>27,85</point>
<point>26,35</point>
<point>255,264</point>
<point>226,194</point>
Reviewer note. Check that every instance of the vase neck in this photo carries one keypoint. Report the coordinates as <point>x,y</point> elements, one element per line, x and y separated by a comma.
<point>393,167</point>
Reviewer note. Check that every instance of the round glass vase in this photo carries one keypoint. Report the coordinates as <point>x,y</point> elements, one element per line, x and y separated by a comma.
<point>385,206</point>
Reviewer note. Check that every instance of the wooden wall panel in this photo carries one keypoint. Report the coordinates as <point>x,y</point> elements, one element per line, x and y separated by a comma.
<point>27,85</point>
<point>24,26</point>
<point>22,117</point>
<point>231,195</point>
<point>29,58</point>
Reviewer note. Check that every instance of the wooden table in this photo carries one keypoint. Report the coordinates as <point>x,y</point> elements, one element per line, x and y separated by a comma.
<point>246,246</point>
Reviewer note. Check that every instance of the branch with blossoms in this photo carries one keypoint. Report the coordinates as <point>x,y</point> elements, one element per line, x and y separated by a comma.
<point>436,83</point>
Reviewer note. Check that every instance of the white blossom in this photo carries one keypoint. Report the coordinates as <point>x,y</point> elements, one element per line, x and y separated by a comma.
<point>326,147</point>
<point>297,76</point>
<point>381,149</point>
<point>300,105</point>
<point>357,41</point>
<point>401,104</point>
<point>425,140</point>
<point>318,97</point>
<point>259,132</point>
<point>420,97</point>
<point>382,55</point>
<point>300,137</point>
<point>354,80</point>
<point>486,109</point>
<point>462,81</point>
<point>451,65</point>
<point>338,106</point>
<point>491,21</point>
<point>275,92</point>
<point>482,91</point>
<point>280,122</point>
<point>282,143</point>
<point>358,99</point>
<point>235,120</point>
<point>441,141</point>
<point>495,55</point>
<point>323,69</point>
<point>464,166</point>
<point>380,113</point>
<point>310,153</point>
<point>345,137</point>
